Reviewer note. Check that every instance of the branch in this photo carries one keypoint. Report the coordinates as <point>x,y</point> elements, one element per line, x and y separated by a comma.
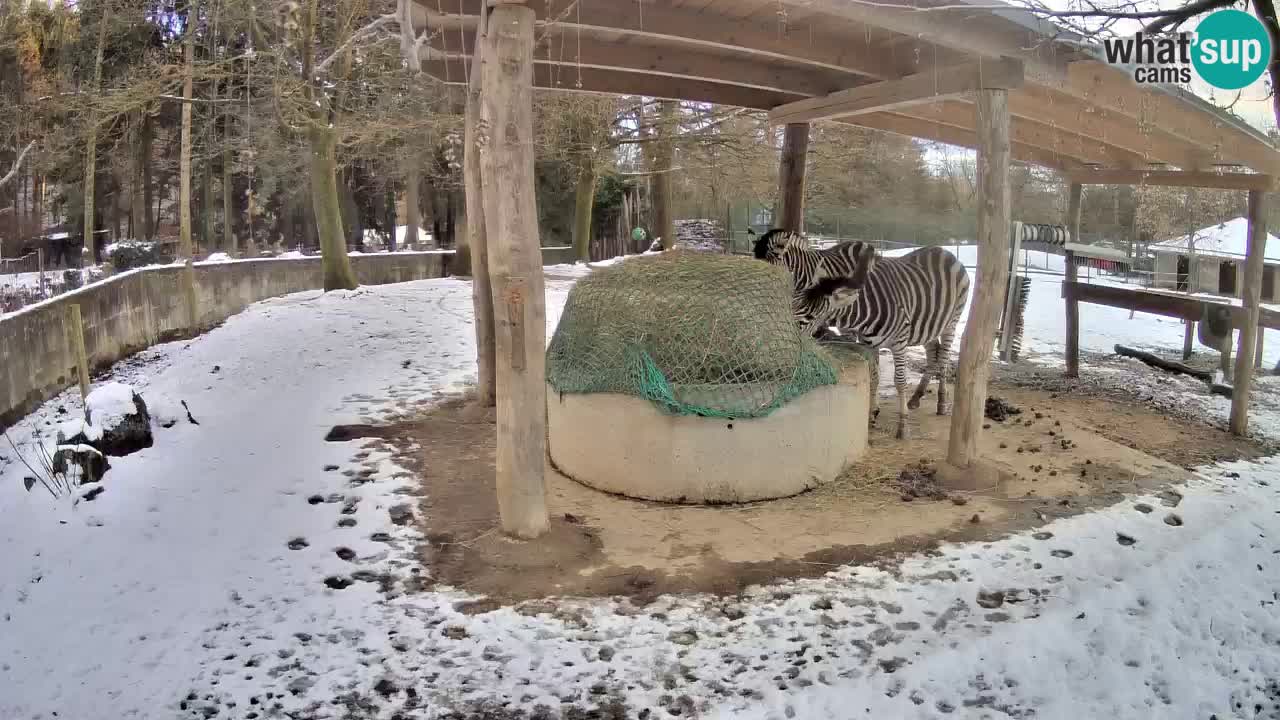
<point>17,164</point>
<point>358,35</point>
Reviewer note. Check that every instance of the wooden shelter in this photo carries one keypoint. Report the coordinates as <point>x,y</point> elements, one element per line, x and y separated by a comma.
<point>1001,81</point>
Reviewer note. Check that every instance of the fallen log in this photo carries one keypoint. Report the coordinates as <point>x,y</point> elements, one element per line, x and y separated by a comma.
<point>1166,365</point>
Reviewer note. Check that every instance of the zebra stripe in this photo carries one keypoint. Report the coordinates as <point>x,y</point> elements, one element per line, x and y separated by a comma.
<point>902,302</point>
<point>807,264</point>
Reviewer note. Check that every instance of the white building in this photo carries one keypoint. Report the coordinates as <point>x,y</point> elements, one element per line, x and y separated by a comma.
<point>1220,253</point>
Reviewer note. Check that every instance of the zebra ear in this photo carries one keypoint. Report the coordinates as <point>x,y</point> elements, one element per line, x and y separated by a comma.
<point>866,260</point>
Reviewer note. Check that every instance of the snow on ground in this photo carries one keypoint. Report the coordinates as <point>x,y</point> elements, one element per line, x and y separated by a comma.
<point>233,570</point>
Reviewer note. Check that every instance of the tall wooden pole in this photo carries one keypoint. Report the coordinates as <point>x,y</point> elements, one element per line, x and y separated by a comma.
<point>481,290</point>
<point>791,169</point>
<point>962,469</point>
<point>1251,297</point>
<point>504,137</point>
<point>664,220</point>
<point>1074,202</point>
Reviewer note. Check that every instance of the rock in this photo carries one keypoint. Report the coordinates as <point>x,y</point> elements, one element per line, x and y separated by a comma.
<point>990,599</point>
<point>686,637</point>
<point>401,514</point>
<point>122,416</point>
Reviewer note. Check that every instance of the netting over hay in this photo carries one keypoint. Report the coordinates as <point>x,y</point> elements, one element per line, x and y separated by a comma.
<point>696,333</point>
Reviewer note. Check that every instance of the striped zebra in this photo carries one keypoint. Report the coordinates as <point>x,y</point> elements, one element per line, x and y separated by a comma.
<point>915,299</point>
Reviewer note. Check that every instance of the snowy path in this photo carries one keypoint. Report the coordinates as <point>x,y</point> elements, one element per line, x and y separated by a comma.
<point>209,573</point>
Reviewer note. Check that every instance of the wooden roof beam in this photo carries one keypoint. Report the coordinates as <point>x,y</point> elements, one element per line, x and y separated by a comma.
<point>561,48</point>
<point>924,129</point>
<point>807,45</point>
<point>622,82</point>
<point>1174,178</point>
<point>1035,133</point>
<point>928,86</point>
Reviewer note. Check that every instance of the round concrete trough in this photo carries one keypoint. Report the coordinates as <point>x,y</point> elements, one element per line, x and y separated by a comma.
<point>624,444</point>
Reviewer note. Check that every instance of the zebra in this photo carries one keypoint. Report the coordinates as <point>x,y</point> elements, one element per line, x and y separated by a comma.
<point>807,268</point>
<point>915,299</point>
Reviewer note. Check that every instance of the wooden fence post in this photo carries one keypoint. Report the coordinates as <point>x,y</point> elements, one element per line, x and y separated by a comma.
<point>477,239</point>
<point>504,137</point>
<point>40,264</point>
<point>1074,201</point>
<point>75,335</point>
<point>962,469</point>
<point>1243,381</point>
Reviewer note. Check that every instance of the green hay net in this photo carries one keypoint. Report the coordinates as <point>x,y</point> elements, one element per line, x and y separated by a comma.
<point>695,333</point>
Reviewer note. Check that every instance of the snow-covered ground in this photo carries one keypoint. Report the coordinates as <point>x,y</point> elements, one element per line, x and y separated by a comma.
<point>233,569</point>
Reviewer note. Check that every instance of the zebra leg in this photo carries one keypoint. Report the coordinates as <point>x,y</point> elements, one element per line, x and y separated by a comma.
<point>930,370</point>
<point>944,363</point>
<point>900,382</point>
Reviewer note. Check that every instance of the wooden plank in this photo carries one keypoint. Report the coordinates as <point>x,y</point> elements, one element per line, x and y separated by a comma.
<point>473,197</point>
<point>993,272</point>
<point>567,53</point>
<point>1074,202</point>
<point>504,136</point>
<point>1042,133</point>
<point>767,41</point>
<point>1251,296</point>
<point>960,137</point>
<point>791,172</point>
<point>930,86</point>
<point>1174,178</point>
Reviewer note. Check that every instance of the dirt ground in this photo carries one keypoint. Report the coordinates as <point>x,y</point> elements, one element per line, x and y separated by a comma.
<point>1063,455</point>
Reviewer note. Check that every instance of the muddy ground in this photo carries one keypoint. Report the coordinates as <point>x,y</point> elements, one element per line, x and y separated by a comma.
<point>1074,446</point>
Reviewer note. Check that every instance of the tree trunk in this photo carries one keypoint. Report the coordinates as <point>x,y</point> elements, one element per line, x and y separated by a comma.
<point>185,250</point>
<point>1250,334</point>
<point>475,238</point>
<point>664,150</point>
<point>505,142</point>
<point>137,203</point>
<point>91,147</point>
<point>585,200</point>
<point>412,211</point>
<point>148,221</point>
<point>207,238</point>
<point>791,171</point>
<point>328,218</point>
<point>963,469</point>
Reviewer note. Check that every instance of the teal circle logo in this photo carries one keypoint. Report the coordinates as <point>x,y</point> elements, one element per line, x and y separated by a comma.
<point>1232,49</point>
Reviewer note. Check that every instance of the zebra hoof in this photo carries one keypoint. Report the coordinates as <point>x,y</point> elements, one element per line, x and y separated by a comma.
<point>944,409</point>
<point>903,433</point>
<point>913,403</point>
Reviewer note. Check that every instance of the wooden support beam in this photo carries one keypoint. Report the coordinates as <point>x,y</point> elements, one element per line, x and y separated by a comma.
<point>1251,296</point>
<point>930,86</point>
<point>568,53</point>
<point>1072,221</point>
<point>1175,178</point>
<point>791,171</point>
<point>1041,133</point>
<point>624,82</point>
<point>477,243</point>
<point>504,136</point>
<point>1054,108</point>
<point>963,468</point>
<point>960,137</point>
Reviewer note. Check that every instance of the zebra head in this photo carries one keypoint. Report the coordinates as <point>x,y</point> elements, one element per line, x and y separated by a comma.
<point>814,306</point>
<point>771,245</point>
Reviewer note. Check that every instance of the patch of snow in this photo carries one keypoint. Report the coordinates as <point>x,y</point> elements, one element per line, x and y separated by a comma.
<point>70,428</point>
<point>110,403</point>
<point>1229,239</point>
<point>218,257</point>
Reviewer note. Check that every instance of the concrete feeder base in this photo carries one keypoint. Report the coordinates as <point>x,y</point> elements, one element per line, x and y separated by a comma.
<point>624,444</point>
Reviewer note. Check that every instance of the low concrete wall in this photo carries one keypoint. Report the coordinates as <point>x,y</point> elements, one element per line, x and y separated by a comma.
<point>137,309</point>
<point>623,444</point>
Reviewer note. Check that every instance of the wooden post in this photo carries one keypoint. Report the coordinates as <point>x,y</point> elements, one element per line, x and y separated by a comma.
<point>1074,202</point>
<point>481,288</point>
<point>962,469</point>
<point>1188,339</point>
<point>791,168</point>
<point>75,333</point>
<point>189,296</point>
<point>40,265</point>
<point>1252,293</point>
<point>1224,358</point>
<point>504,138</point>
<point>1257,351</point>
